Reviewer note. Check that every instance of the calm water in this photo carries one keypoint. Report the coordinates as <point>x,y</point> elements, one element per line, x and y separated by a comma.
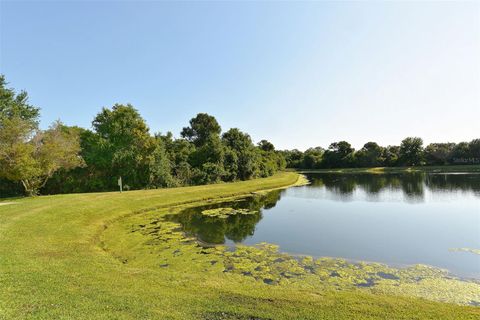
<point>398,219</point>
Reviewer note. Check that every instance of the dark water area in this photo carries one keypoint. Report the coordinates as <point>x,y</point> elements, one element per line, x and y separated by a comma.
<point>397,219</point>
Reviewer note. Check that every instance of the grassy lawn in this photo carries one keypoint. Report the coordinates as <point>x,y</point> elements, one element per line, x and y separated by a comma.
<point>74,257</point>
<point>438,169</point>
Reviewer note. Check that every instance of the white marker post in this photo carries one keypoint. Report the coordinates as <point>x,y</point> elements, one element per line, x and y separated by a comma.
<point>120,184</point>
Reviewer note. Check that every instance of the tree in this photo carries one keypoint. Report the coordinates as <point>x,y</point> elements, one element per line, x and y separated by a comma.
<point>269,162</point>
<point>79,179</point>
<point>122,146</point>
<point>28,155</point>
<point>17,162</point>
<point>18,122</point>
<point>312,158</point>
<point>57,148</point>
<point>34,161</point>
<point>13,105</point>
<point>178,152</point>
<point>411,150</point>
<point>230,165</point>
<point>466,152</point>
<point>160,167</point>
<point>293,158</point>
<point>343,148</point>
<point>208,161</point>
<point>438,153</point>
<point>201,128</point>
<point>390,156</point>
<point>245,154</point>
<point>265,145</point>
<point>474,150</point>
<point>338,155</point>
<point>370,155</point>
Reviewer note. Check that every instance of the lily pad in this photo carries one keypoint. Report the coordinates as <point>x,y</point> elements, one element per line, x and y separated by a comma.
<point>470,250</point>
<point>224,213</point>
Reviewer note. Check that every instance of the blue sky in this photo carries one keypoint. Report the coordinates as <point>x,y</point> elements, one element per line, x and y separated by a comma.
<point>298,74</point>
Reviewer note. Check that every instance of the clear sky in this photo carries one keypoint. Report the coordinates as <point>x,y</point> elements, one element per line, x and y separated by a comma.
<point>298,74</point>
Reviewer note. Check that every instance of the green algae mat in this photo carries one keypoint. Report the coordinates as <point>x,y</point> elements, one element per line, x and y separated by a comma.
<point>116,256</point>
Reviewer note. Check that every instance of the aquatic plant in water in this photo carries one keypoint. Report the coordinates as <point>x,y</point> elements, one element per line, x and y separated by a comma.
<point>470,250</point>
<point>226,212</point>
<point>264,263</point>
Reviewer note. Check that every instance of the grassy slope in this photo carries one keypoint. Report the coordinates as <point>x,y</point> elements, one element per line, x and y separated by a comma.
<point>51,267</point>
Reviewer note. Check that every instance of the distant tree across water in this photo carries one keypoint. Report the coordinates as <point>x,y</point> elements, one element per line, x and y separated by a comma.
<point>410,152</point>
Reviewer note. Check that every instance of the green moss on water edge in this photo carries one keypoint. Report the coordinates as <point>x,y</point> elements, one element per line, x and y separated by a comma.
<point>168,247</point>
<point>226,212</point>
<point>469,250</point>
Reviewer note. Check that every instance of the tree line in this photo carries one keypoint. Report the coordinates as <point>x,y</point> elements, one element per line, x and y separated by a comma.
<point>410,152</point>
<point>65,159</point>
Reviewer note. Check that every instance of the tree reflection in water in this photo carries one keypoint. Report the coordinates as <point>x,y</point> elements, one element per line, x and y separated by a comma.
<point>413,186</point>
<point>214,230</point>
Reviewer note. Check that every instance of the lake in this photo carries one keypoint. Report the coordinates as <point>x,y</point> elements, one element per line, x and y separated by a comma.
<point>397,219</point>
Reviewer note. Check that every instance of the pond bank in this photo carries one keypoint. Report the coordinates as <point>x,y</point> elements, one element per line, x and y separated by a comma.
<point>51,267</point>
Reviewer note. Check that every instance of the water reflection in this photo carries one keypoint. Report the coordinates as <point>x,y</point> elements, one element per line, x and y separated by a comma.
<point>453,182</point>
<point>392,218</point>
<point>343,187</point>
<point>214,230</point>
<point>412,185</point>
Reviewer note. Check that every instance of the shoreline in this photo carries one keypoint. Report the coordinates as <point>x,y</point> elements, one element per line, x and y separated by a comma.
<point>380,170</point>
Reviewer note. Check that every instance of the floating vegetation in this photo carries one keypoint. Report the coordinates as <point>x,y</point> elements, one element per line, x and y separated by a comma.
<point>470,250</point>
<point>164,243</point>
<point>224,213</point>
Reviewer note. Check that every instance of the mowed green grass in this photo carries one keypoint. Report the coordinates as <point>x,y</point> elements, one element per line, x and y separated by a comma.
<point>52,266</point>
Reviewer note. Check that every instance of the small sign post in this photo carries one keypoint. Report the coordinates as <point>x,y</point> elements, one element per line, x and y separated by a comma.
<point>120,184</point>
